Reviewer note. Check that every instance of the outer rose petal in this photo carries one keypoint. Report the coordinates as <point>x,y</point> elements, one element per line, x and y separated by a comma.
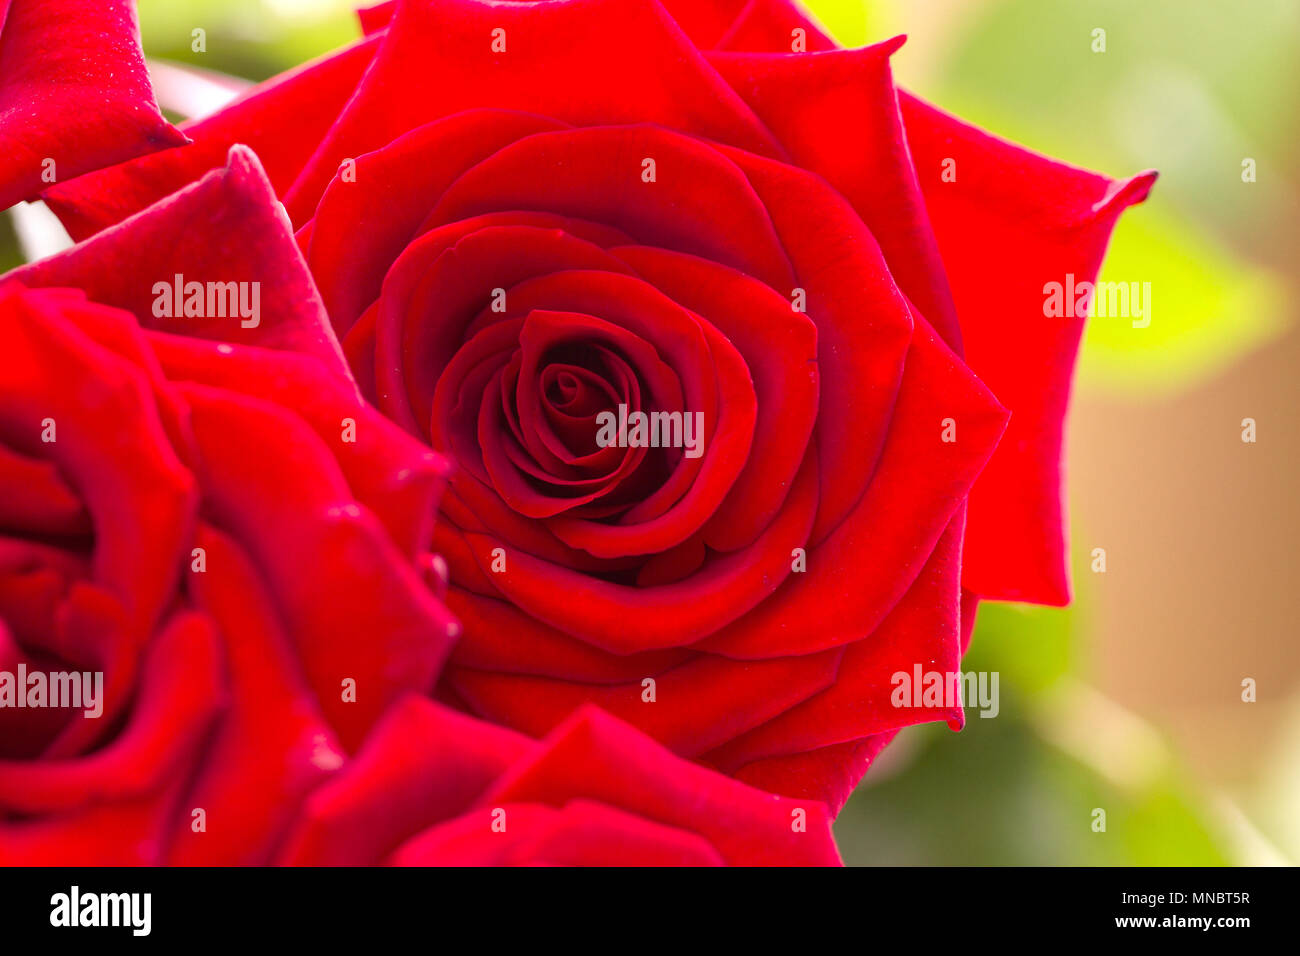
<point>227,227</point>
<point>114,807</point>
<point>747,827</point>
<point>222,700</point>
<point>271,745</point>
<point>1011,223</point>
<point>73,89</point>
<point>437,59</point>
<point>828,774</point>
<point>592,782</point>
<point>921,631</point>
<point>580,833</point>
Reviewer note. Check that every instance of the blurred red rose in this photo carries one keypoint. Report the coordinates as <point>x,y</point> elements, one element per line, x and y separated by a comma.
<point>524,216</point>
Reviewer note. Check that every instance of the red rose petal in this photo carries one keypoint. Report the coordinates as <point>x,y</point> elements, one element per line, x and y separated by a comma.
<point>771,25</point>
<point>142,517</point>
<point>623,619</point>
<point>780,349</point>
<point>922,630</point>
<point>494,646</point>
<point>443,281</point>
<point>699,705</point>
<point>863,326</point>
<point>398,478</point>
<point>332,568</point>
<point>421,763</point>
<point>395,189</point>
<point>748,827</point>
<point>271,746</point>
<point>700,202</point>
<point>178,696</point>
<point>828,774</point>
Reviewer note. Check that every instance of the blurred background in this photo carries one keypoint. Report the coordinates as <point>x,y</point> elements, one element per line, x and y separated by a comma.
<point>1131,699</point>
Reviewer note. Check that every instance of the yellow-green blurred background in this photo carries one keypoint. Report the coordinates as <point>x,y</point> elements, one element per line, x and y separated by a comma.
<point>1130,700</point>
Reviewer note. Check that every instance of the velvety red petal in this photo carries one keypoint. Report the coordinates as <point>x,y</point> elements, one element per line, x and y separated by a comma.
<point>828,774</point>
<point>863,326</point>
<point>227,227</point>
<point>362,225</point>
<point>1012,223</point>
<point>282,120</point>
<point>624,619</point>
<point>492,643</point>
<point>699,202</point>
<point>698,705</point>
<point>586,62</point>
<point>837,114</point>
<point>580,833</point>
<point>705,21</point>
<point>376,17</point>
<point>423,763</point>
<point>862,570</point>
<point>780,349</point>
<point>776,25</point>
<point>396,477</point>
<point>115,806</point>
<point>748,827</point>
<point>272,746</point>
<point>331,566</point>
<point>143,516</point>
<point>34,498</point>
<point>441,284</point>
<point>922,631</point>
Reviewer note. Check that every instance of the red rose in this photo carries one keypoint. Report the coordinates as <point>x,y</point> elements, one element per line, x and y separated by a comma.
<point>74,94</point>
<point>433,787</point>
<point>190,520</point>
<point>522,217</point>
